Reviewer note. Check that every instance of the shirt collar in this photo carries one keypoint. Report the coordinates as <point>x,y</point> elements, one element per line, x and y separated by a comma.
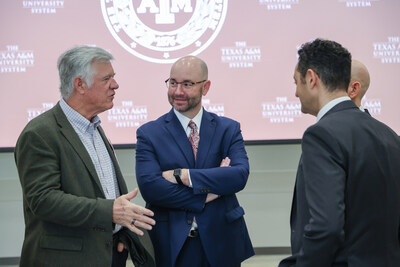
<point>185,120</point>
<point>330,105</point>
<point>77,120</point>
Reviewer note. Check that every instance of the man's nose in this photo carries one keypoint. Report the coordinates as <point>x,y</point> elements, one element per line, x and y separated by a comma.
<point>179,89</point>
<point>114,84</point>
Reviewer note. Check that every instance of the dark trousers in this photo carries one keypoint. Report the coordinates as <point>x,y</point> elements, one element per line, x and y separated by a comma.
<point>192,254</point>
<point>119,258</point>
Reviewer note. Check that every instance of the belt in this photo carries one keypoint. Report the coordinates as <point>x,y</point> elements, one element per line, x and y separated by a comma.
<point>193,233</point>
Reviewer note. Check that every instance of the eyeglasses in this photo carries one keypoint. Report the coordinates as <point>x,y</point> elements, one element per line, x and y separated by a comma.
<point>186,85</point>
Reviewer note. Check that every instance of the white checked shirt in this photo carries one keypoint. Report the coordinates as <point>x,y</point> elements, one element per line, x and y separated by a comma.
<point>94,144</point>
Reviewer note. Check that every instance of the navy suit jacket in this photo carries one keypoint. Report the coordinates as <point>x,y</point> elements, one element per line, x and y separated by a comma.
<point>163,145</point>
<point>346,205</point>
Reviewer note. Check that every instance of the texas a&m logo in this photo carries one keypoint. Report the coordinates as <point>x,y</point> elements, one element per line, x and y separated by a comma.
<point>162,31</point>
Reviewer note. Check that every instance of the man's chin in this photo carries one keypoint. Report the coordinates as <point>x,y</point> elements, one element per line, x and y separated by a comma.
<point>180,108</point>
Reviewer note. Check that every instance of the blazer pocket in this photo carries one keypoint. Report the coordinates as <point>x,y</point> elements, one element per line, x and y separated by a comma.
<point>234,214</point>
<point>61,243</point>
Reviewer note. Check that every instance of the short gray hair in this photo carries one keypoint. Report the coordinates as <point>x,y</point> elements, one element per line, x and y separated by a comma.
<point>78,62</point>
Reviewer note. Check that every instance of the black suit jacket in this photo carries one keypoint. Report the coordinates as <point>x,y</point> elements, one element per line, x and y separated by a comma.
<point>346,204</point>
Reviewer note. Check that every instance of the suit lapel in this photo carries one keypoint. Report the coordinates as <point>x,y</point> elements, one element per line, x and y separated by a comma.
<point>207,131</point>
<point>174,127</point>
<point>70,135</point>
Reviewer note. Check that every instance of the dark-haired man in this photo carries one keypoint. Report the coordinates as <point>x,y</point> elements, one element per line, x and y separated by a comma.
<point>346,205</point>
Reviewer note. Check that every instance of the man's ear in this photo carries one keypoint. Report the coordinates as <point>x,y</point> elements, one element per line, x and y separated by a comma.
<point>311,78</point>
<point>206,87</point>
<point>79,84</point>
<point>354,89</point>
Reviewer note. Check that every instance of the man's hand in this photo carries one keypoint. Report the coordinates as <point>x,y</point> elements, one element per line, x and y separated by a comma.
<point>226,162</point>
<point>124,212</point>
<point>121,247</point>
<point>210,197</point>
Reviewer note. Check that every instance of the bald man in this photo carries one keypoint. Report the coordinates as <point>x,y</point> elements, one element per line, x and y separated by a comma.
<point>190,164</point>
<point>359,83</point>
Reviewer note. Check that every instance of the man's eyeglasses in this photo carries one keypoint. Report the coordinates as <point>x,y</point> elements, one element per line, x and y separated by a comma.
<point>186,85</point>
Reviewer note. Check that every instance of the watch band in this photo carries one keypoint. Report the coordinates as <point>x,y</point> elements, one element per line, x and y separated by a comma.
<point>177,175</point>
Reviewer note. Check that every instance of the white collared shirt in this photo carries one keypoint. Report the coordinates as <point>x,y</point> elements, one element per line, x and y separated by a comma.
<point>185,121</point>
<point>330,105</point>
<point>185,124</point>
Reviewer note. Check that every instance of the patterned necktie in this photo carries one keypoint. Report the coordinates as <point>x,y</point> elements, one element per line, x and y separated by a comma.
<point>194,138</point>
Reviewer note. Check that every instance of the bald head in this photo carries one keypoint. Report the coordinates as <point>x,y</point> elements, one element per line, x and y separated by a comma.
<point>192,64</point>
<point>189,78</point>
<point>359,82</point>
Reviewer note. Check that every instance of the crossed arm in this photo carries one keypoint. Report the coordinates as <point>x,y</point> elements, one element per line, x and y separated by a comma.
<point>169,176</point>
<point>158,185</point>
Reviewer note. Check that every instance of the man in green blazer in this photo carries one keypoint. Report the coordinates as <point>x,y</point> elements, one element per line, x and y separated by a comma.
<point>77,207</point>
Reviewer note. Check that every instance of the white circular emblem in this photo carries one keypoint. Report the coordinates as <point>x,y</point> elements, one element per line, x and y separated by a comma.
<point>166,32</point>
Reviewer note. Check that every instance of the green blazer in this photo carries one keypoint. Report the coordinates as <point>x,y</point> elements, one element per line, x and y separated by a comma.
<point>68,221</point>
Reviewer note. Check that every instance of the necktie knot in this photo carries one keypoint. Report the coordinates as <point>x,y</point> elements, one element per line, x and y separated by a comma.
<point>192,125</point>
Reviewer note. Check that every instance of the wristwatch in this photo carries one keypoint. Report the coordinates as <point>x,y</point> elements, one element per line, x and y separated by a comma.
<point>177,175</point>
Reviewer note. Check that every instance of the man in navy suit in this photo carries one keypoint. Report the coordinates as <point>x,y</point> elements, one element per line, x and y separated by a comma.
<point>346,204</point>
<point>192,187</point>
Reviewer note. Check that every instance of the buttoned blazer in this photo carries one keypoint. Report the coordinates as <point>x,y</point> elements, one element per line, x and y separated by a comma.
<point>346,205</point>
<point>163,145</point>
<point>68,220</point>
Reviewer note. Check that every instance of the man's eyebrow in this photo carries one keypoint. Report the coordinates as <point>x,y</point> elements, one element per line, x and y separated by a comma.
<point>172,79</point>
<point>109,75</point>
